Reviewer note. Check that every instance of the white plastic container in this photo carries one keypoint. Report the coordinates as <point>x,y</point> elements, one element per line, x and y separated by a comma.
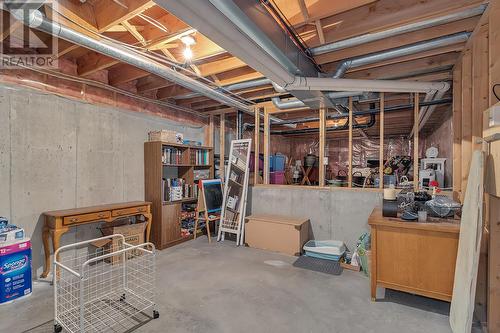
<point>327,249</point>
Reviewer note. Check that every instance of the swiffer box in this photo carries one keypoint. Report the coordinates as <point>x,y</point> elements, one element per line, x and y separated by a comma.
<point>15,270</point>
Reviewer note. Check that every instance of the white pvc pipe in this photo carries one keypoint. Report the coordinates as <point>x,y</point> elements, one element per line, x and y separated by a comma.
<point>330,84</point>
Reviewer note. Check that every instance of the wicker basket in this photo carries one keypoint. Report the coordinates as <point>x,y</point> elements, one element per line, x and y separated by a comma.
<point>166,136</point>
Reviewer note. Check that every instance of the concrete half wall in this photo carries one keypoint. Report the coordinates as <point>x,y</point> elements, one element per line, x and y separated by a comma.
<point>338,214</point>
<point>58,153</point>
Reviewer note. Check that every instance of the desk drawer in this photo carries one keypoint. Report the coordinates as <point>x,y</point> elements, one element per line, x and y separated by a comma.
<point>129,211</point>
<point>87,217</point>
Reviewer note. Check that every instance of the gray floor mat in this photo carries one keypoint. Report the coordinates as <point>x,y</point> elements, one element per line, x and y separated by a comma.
<point>319,265</point>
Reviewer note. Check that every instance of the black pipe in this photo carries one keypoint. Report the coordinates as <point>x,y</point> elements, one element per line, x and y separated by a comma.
<point>239,124</point>
<point>329,129</point>
<point>362,113</point>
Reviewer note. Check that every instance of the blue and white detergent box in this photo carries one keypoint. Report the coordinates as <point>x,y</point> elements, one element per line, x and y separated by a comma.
<point>15,270</point>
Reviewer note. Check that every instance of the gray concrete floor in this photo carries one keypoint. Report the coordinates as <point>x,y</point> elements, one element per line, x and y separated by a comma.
<point>220,288</point>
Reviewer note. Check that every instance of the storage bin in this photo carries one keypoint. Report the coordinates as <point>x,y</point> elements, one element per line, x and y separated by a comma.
<point>277,177</point>
<point>328,249</point>
<point>277,233</point>
<point>277,163</point>
<point>252,162</point>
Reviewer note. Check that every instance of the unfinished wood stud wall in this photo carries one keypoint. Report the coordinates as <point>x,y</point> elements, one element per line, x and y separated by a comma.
<point>266,146</point>
<point>256,143</point>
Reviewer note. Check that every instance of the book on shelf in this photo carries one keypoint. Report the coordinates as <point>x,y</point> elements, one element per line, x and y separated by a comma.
<point>175,189</point>
<point>171,155</point>
<point>200,157</point>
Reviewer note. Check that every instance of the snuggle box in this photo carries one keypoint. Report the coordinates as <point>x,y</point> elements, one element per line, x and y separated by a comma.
<point>15,270</point>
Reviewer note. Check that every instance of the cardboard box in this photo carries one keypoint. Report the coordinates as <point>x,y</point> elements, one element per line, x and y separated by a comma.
<point>277,233</point>
<point>133,233</point>
<point>166,136</point>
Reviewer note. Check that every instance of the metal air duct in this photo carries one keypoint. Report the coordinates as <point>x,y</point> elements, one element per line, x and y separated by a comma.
<point>114,50</point>
<point>402,51</point>
<point>374,36</point>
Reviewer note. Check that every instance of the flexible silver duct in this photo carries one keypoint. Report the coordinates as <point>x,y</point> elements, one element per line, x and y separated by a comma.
<point>402,51</point>
<point>356,85</point>
<point>38,21</point>
<point>374,36</point>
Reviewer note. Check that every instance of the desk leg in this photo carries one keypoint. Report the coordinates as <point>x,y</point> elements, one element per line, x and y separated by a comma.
<point>46,250</point>
<point>56,238</point>
<point>149,218</point>
<point>373,268</point>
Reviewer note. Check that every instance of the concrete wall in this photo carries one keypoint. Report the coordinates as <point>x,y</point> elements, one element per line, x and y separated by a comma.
<point>59,153</point>
<point>339,214</point>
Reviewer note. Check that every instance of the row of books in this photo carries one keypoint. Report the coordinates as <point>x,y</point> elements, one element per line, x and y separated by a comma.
<point>200,157</point>
<point>175,189</point>
<point>171,156</point>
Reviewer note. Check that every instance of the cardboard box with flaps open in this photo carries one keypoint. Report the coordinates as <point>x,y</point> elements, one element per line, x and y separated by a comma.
<point>133,233</point>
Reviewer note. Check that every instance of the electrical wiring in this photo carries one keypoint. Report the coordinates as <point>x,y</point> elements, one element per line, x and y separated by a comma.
<point>494,90</point>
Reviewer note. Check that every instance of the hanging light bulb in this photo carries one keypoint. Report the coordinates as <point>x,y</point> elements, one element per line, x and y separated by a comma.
<point>188,53</point>
<point>188,41</point>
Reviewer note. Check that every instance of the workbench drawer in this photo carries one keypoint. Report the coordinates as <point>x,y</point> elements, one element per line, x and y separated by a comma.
<point>86,217</point>
<point>129,211</point>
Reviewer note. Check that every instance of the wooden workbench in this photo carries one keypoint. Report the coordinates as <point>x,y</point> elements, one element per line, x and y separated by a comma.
<point>58,222</point>
<point>413,257</point>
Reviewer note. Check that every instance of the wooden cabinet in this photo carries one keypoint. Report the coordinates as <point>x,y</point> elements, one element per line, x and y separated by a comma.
<point>166,231</point>
<point>414,257</point>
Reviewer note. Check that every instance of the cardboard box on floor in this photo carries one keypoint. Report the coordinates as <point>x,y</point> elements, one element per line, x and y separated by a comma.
<point>133,233</point>
<point>277,233</point>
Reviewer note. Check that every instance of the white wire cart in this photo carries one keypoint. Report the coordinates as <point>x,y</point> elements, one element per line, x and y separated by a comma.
<point>105,288</point>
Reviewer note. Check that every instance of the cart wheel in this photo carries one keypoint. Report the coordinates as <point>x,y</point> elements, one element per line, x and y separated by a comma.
<point>57,328</point>
<point>122,298</point>
<point>156,314</point>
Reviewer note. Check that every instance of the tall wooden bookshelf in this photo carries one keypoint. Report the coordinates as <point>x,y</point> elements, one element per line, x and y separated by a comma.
<point>166,227</point>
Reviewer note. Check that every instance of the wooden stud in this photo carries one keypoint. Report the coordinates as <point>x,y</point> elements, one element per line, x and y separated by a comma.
<point>416,124</point>
<point>321,35</point>
<point>457,130</point>
<point>466,120</point>
<point>266,146</point>
<point>211,130</point>
<point>256,145</point>
<point>494,56</point>
<point>381,142</point>
<point>349,175</point>
<point>222,143</point>
<point>322,142</point>
<point>493,302</point>
<point>480,82</point>
<point>303,10</point>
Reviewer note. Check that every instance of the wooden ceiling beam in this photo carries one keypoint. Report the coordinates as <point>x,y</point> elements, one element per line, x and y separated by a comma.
<point>109,13</point>
<point>152,82</point>
<point>220,66</point>
<point>317,10</point>
<point>384,14</point>
<point>400,40</point>
<point>123,73</point>
<point>77,13</point>
<point>171,91</point>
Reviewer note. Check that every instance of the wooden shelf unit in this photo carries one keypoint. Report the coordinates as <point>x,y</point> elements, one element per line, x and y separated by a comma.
<point>166,229</point>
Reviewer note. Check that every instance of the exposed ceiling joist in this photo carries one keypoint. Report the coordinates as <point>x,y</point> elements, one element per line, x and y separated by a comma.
<point>108,13</point>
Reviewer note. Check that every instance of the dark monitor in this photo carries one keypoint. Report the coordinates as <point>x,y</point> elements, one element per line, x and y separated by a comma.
<point>212,190</point>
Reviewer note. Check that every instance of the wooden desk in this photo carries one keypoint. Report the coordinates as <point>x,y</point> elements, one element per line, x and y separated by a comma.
<point>413,257</point>
<point>58,222</point>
